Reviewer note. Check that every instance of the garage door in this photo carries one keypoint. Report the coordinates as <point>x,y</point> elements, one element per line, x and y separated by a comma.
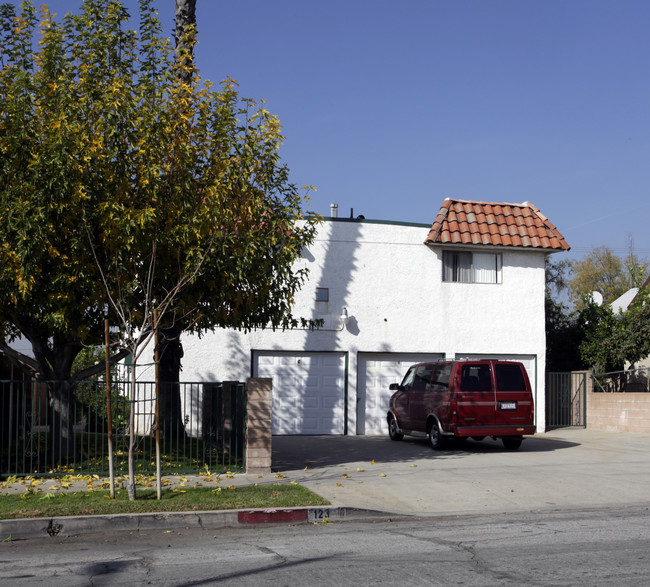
<point>376,372</point>
<point>308,391</point>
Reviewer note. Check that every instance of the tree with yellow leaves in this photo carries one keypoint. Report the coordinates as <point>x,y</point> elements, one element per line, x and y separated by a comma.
<point>601,270</point>
<point>127,185</point>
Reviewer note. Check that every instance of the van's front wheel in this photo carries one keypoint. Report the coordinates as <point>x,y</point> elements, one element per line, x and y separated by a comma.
<point>436,439</point>
<point>512,442</point>
<point>393,430</point>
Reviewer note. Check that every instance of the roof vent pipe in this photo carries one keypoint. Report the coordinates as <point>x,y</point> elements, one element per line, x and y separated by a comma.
<point>334,210</point>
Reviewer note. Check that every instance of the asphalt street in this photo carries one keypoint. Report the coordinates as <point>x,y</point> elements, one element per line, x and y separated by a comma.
<point>608,547</point>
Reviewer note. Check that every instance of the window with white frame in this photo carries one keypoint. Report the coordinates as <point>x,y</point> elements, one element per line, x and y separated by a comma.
<point>471,267</point>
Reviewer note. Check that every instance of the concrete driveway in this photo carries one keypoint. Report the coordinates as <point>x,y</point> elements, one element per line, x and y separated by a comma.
<point>567,468</point>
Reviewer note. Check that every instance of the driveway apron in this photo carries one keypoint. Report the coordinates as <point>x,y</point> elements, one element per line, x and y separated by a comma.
<point>565,468</point>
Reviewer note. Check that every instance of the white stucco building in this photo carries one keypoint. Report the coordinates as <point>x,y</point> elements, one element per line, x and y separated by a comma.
<point>392,294</point>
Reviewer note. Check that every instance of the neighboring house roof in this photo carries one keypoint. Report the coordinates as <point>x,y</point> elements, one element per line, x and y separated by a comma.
<point>623,302</point>
<point>462,222</point>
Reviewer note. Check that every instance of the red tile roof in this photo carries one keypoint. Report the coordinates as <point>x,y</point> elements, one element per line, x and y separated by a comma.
<point>461,222</point>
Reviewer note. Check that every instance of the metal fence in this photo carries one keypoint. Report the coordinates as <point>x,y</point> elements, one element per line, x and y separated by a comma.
<point>628,381</point>
<point>566,396</point>
<point>210,435</point>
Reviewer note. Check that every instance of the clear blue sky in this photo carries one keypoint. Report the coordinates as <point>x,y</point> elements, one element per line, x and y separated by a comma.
<point>388,107</point>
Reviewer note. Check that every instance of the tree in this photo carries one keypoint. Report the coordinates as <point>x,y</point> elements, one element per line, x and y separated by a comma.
<point>599,348</point>
<point>49,292</point>
<point>634,329</point>
<point>121,183</point>
<point>591,335</point>
<point>563,333</point>
<point>603,271</point>
<point>612,340</point>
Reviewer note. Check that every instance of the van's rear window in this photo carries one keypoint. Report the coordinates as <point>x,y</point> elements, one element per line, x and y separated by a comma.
<point>475,378</point>
<point>509,378</point>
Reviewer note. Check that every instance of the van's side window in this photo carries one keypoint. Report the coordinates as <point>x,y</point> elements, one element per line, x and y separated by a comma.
<point>440,381</point>
<point>509,377</point>
<point>475,378</point>
<point>422,379</point>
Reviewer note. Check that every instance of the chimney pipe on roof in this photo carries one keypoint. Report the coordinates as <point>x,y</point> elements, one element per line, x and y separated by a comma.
<point>334,210</point>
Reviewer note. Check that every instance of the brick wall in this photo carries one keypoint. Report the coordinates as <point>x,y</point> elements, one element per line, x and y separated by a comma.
<point>258,425</point>
<point>618,412</point>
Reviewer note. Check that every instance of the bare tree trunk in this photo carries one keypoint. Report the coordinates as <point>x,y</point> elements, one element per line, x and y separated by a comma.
<point>61,395</point>
<point>185,17</point>
<point>63,444</point>
<point>170,353</point>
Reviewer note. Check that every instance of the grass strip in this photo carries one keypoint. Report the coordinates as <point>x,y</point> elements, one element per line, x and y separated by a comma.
<point>82,503</point>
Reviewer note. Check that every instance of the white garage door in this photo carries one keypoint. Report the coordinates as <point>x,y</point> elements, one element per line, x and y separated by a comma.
<point>376,372</point>
<point>308,391</point>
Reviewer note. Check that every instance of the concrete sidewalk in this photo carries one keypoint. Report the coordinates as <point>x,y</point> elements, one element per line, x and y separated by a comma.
<point>568,468</point>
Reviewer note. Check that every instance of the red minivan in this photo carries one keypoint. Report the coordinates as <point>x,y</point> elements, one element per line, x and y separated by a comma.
<point>461,399</point>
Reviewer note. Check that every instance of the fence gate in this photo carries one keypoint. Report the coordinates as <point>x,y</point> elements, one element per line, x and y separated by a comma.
<point>566,397</point>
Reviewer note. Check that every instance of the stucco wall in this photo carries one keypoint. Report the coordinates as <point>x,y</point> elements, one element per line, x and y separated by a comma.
<point>391,284</point>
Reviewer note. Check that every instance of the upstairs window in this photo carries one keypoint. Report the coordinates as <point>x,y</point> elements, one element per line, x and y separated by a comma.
<point>470,267</point>
<point>322,300</point>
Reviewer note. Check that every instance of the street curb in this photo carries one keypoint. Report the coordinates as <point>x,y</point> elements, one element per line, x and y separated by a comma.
<point>25,528</point>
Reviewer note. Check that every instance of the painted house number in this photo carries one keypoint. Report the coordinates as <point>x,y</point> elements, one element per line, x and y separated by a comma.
<point>320,514</point>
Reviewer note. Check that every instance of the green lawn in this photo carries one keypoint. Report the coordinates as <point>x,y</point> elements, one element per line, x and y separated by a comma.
<point>82,503</point>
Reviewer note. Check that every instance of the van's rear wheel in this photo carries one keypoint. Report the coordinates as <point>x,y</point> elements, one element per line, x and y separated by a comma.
<point>512,442</point>
<point>393,430</point>
<point>436,439</point>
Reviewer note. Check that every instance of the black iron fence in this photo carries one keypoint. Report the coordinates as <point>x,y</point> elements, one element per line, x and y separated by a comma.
<point>39,437</point>
<point>566,396</point>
